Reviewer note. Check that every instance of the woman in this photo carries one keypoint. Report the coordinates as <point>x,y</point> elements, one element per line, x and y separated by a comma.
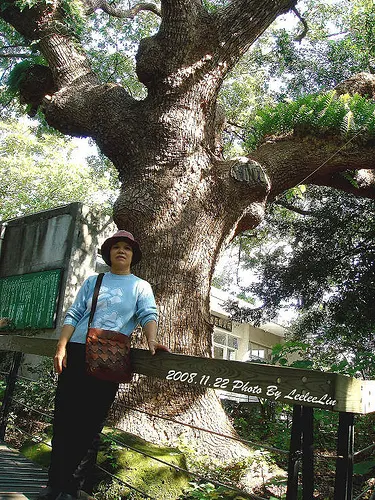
<point>82,402</point>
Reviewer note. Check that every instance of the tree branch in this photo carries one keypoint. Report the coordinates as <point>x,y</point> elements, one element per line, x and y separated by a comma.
<point>303,33</point>
<point>233,124</point>
<point>291,160</point>
<point>93,5</point>
<point>243,21</point>
<point>7,47</point>
<point>338,181</point>
<point>45,23</point>
<point>235,133</point>
<point>360,83</point>
<point>292,208</point>
<point>15,55</point>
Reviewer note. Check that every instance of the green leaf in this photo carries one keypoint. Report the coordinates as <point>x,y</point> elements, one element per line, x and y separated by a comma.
<point>364,467</point>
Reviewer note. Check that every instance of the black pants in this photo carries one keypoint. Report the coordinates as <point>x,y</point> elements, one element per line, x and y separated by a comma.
<point>81,407</point>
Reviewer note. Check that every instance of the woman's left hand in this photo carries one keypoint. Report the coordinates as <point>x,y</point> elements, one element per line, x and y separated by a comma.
<point>154,346</point>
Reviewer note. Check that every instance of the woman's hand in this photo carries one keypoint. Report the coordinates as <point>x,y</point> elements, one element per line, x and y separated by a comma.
<point>60,358</point>
<point>150,331</point>
<point>154,346</point>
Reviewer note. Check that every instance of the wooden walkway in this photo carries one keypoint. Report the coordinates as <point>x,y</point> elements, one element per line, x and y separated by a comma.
<point>20,479</point>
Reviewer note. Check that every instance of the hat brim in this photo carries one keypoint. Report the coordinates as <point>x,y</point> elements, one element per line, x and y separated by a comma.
<point>107,245</point>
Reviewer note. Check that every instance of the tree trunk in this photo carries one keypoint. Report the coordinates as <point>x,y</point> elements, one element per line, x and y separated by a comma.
<point>179,201</point>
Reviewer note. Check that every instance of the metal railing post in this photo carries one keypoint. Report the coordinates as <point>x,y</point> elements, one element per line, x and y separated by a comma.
<point>344,462</point>
<point>307,453</point>
<point>11,382</point>
<point>294,454</point>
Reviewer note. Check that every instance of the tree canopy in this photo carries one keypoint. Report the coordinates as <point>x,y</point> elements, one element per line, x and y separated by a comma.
<point>40,170</point>
<point>316,253</point>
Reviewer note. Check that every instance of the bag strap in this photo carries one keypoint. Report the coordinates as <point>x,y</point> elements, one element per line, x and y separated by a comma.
<point>95,295</point>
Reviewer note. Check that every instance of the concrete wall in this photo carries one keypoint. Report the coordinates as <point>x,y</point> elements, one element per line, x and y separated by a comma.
<point>257,336</point>
<point>65,238</point>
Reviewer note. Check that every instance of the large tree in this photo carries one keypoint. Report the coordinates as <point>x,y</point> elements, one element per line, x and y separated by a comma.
<point>180,196</point>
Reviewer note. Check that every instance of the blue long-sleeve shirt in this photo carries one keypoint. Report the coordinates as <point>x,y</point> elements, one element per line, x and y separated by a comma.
<point>124,302</point>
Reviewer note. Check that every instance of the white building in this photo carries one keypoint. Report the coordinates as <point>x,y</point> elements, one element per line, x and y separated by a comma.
<point>240,341</point>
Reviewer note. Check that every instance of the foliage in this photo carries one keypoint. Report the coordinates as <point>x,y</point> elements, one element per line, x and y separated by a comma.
<point>282,353</point>
<point>40,389</point>
<point>275,431</point>
<point>316,114</point>
<point>111,45</point>
<point>315,254</point>
<point>339,43</point>
<point>364,467</point>
<point>281,66</point>
<point>208,491</point>
<point>74,16</point>
<point>31,410</point>
<point>130,459</point>
<point>12,43</point>
<point>267,422</point>
<point>2,389</point>
<point>40,171</point>
<point>19,72</point>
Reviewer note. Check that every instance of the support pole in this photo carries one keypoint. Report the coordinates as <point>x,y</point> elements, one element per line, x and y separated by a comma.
<point>344,462</point>
<point>294,454</point>
<point>11,382</point>
<point>307,453</point>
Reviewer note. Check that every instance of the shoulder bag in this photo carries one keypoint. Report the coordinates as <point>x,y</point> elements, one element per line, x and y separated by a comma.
<point>107,352</point>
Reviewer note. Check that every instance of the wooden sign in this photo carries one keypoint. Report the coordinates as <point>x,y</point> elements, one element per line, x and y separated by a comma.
<point>328,391</point>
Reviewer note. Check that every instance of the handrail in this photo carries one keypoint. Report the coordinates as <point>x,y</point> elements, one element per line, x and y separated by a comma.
<point>304,389</point>
<point>325,390</point>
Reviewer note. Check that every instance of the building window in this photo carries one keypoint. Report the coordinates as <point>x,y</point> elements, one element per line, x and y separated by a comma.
<point>225,346</point>
<point>224,323</point>
<point>259,351</point>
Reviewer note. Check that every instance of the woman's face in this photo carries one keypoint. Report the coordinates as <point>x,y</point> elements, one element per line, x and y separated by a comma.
<point>121,255</point>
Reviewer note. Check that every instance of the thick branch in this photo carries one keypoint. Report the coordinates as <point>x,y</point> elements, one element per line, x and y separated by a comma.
<point>243,21</point>
<point>180,10</point>
<point>290,161</point>
<point>339,181</point>
<point>45,23</point>
<point>360,83</point>
<point>93,111</point>
<point>181,22</point>
<point>195,47</point>
<point>93,5</point>
<point>181,52</point>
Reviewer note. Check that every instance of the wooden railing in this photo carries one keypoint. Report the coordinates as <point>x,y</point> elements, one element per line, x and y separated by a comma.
<point>304,389</point>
